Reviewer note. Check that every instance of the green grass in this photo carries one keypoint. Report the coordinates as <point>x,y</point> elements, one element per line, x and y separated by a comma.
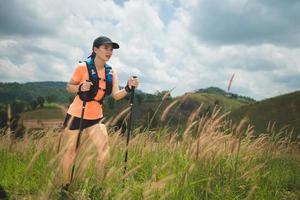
<point>19,178</point>
<point>279,179</point>
<point>50,112</point>
<point>211,164</point>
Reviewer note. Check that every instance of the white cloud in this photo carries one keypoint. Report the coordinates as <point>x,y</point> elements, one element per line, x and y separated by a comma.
<point>163,53</point>
<point>11,72</point>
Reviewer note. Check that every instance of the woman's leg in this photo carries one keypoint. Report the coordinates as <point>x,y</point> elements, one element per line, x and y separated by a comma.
<point>70,154</point>
<point>99,136</point>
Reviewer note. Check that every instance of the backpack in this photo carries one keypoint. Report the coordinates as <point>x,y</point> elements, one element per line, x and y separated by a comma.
<point>94,78</point>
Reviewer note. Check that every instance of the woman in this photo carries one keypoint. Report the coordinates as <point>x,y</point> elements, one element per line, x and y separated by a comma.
<point>79,83</point>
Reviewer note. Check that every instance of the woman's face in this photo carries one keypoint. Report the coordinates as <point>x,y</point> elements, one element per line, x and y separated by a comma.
<point>104,52</point>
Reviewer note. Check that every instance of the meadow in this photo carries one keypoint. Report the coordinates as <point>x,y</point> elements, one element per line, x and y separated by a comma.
<point>211,158</point>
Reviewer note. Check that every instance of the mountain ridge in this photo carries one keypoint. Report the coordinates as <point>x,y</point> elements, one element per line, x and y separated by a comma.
<point>284,109</point>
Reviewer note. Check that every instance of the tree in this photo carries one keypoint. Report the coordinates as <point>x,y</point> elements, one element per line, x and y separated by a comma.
<point>17,107</point>
<point>3,118</point>
<point>140,98</point>
<point>165,93</point>
<point>33,104</point>
<point>17,127</point>
<point>51,98</point>
<point>41,101</point>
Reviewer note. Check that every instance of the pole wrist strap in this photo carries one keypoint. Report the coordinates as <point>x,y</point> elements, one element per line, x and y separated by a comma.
<point>127,88</point>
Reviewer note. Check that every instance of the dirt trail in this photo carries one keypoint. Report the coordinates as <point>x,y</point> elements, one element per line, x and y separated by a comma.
<point>37,123</point>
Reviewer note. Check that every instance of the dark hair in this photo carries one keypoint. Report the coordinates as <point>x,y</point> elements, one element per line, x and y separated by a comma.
<point>93,55</point>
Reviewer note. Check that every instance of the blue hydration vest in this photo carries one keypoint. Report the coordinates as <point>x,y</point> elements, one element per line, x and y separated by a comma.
<point>94,78</point>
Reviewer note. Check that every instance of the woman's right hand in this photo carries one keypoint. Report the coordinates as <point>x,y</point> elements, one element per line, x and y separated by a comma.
<point>85,86</point>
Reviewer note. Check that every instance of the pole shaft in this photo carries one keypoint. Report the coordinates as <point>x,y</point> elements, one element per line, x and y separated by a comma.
<point>129,128</point>
<point>79,135</point>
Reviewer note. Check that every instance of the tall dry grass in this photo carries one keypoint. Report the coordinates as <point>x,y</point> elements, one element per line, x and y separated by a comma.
<point>211,159</point>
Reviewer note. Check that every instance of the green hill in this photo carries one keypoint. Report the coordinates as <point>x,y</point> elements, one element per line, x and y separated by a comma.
<point>208,100</point>
<point>153,108</point>
<point>215,99</point>
<point>284,110</point>
<point>220,92</point>
<point>28,92</point>
<point>53,91</point>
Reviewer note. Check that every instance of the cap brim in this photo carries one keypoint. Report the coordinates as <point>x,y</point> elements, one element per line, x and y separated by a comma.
<point>115,45</point>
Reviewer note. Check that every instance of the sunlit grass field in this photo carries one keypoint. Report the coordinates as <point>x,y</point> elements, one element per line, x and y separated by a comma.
<point>210,159</point>
<point>49,111</point>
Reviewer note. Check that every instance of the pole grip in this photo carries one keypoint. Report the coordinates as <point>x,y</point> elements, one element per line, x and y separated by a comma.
<point>132,92</point>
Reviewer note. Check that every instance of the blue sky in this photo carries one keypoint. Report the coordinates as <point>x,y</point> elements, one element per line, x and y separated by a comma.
<point>186,45</point>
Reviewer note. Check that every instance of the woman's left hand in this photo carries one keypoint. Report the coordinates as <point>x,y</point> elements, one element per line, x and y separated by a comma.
<point>133,82</point>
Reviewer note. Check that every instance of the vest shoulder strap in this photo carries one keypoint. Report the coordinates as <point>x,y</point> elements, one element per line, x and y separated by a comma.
<point>93,75</point>
<point>108,77</point>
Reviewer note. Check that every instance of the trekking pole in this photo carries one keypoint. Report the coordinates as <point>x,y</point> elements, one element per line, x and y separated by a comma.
<point>79,133</point>
<point>129,126</point>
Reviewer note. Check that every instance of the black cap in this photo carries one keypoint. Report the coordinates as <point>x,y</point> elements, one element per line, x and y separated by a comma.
<point>104,40</point>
